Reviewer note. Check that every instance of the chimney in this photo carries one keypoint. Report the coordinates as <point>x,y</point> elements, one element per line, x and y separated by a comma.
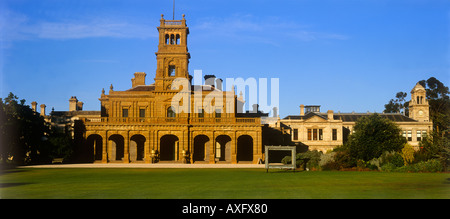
<point>80,106</point>
<point>255,108</point>
<point>330,114</point>
<point>43,109</point>
<point>275,111</point>
<point>34,106</point>
<point>73,103</point>
<point>302,110</point>
<point>219,83</point>
<point>139,79</point>
<point>210,80</point>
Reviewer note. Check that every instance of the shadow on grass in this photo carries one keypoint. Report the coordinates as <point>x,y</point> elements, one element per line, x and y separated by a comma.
<point>6,185</point>
<point>8,171</point>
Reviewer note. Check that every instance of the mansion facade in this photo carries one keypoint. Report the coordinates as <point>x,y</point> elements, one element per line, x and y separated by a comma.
<point>325,131</point>
<point>142,124</point>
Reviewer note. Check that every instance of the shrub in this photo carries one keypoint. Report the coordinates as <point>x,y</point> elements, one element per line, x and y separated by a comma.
<point>388,167</point>
<point>364,165</point>
<point>408,154</point>
<point>391,157</point>
<point>326,158</point>
<point>337,160</point>
<point>309,159</point>
<point>286,160</point>
<point>387,161</point>
<point>433,165</point>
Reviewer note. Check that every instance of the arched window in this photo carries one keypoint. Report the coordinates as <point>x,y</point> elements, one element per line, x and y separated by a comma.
<point>172,70</point>
<point>178,39</point>
<point>167,39</point>
<point>171,112</point>
<point>172,39</point>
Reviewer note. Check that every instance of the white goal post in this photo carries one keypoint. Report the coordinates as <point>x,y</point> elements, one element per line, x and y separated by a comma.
<point>281,166</point>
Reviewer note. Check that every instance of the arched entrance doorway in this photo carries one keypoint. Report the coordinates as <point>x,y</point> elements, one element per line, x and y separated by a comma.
<point>95,146</point>
<point>137,143</point>
<point>201,148</point>
<point>222,149</point>
<point>244,148</point>
<point>116,147</point>
<point>168,148</point>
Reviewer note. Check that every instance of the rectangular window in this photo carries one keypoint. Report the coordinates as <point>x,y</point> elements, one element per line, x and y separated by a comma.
<point>142,113</point>
<point>424,134</point>
<point>334,134</point>
<point>315,134</point>
<point>419,135</point>
<point>295,134</point>
<point>409,135</point>
<point>218,114</point>
<point>124,112</point>
<point>201,113</point>
<point>320,134</point>
<point>404,134</point>
<point>309,135</point>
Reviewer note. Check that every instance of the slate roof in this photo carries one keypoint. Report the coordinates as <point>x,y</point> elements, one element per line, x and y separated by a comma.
<point>74,113</point>
<point>352,117</point>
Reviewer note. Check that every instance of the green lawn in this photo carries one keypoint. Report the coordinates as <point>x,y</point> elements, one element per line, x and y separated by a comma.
<point>218,184</point>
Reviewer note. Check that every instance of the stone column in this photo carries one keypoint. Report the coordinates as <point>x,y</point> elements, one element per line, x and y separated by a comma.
<point>126,148</point>
<point>104,148</point>
<point>147,149</point>
<point>191,147</point>
<point>233,148</point>
<point>212,149</point>
<point>257,147</point>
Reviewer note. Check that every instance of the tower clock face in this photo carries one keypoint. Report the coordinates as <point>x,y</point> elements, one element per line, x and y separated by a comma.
<point>420,113</point>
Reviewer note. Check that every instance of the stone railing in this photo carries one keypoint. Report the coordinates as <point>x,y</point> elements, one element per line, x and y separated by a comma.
<point>173,23</point>
<point>168,120</point>
<point>138,120</point>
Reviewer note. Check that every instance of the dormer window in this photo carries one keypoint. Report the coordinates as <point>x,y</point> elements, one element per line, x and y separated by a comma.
<point>172,71</point>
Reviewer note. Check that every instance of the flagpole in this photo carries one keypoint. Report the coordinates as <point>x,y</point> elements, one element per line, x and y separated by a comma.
<point>173,10</point>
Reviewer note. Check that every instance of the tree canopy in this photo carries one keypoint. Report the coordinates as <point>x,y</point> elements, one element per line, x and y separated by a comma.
<point>22,131</point>
<point>438,98</point>
<point>372,136</point>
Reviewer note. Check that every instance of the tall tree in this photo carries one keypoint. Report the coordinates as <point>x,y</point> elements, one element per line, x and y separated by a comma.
<point>397,105</point>
<point>22,131</point>
<point>438,98</point>
<point>372,136</point>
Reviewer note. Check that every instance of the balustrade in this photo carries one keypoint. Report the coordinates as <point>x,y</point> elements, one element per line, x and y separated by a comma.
<point>162,120</point>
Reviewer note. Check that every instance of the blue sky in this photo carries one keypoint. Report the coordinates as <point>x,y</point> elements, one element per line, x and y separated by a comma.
<point>346,55</point>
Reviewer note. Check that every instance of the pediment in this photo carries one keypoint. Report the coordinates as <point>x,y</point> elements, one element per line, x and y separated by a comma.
<point>316,118</point>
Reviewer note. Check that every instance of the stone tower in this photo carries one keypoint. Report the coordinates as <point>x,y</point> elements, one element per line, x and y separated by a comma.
<point>419,109</point>
<point>172,56</point>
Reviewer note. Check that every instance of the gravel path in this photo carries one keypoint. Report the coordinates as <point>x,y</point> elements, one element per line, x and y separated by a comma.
<point>165,165</point>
